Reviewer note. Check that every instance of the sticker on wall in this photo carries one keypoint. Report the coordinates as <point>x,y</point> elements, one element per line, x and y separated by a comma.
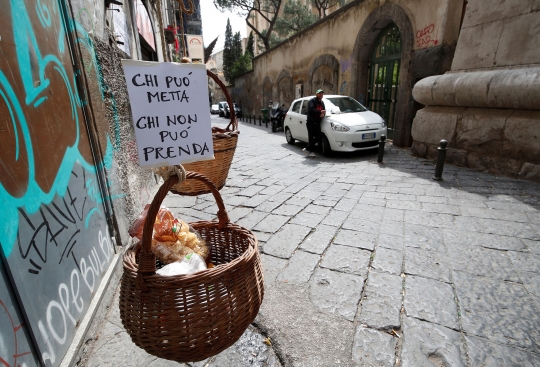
<point>169,104</point>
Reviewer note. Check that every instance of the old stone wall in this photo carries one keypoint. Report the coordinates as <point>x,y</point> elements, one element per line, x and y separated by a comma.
<point>138,185</point>
<point>487,106</point>
<point>334,54</point>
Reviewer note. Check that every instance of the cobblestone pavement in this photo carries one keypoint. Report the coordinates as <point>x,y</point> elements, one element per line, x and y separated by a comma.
<point>373,265</point>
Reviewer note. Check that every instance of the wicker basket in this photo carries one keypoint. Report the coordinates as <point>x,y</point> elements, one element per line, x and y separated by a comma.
<point>188,318</point>
<point>216,170</point>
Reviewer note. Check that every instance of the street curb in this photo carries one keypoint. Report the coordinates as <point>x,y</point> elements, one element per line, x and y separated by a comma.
<point>96,312</point>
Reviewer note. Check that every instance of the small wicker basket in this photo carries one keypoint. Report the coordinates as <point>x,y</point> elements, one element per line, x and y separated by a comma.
<point>216,170</point>
<point>188,318</point>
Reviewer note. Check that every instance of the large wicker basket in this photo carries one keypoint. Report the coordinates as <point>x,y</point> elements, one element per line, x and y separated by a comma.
<point>216,170</point>
<point>188,318</point>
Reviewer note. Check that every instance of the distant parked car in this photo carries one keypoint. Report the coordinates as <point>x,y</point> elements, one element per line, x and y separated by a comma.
<point>348,126</point>
<point>221,108</point>
<point>214,109</point>
<point>237,110</point>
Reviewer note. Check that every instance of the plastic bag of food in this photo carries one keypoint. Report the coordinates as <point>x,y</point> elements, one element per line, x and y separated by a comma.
<point>170,253</point>
<point>190,264</point>
<point>191,238</point>
<point>136,229</point>
<point>164,226</point>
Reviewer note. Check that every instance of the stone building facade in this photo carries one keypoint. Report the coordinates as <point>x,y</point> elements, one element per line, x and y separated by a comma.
<point>488,105</point>
<point>372,50</point>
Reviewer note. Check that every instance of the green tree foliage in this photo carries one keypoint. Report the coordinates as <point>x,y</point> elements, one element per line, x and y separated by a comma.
<point>323,5</point>
<point>228,52</point>
<point>295,17</point>
<point>250,45</point>
<point>241,65</point>
<point>264,9</point>
<point>273,40</point>
<point>237,45</point>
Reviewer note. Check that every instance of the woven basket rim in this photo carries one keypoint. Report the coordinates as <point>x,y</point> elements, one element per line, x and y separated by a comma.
<point>131,265</point>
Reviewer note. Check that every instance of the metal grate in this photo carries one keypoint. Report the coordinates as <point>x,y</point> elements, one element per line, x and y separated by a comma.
<point>384,75</point>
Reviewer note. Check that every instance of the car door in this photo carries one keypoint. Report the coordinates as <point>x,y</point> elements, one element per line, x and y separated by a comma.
<point>302,128</point>
<point>293,117</point>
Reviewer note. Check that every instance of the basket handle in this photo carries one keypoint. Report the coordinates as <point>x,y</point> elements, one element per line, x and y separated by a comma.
<point>233,125</point>
<point>147,260</point>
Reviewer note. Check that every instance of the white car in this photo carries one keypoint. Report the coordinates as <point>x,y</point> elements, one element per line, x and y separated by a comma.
<point>214,109</point>
<point>347,127</point>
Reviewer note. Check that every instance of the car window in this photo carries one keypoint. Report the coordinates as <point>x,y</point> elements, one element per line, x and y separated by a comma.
<point>296,107</point>
<point>304,107</point>
<point>347,104</point>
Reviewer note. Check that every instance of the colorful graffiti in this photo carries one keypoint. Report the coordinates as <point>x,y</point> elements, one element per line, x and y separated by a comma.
<point>56,242</point>
<point>345,64</point>
<point>425,37</point>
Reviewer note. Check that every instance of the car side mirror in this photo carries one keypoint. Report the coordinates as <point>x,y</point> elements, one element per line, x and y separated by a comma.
<point>336,110</point>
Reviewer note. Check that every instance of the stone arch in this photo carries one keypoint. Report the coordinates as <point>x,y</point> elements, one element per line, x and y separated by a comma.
<point>285,91</point>
<point>267,86</point>
<point>378,20</point>
<point>324,73</point>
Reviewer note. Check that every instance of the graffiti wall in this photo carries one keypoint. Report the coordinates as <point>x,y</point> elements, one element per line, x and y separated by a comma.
<point>66,142</point>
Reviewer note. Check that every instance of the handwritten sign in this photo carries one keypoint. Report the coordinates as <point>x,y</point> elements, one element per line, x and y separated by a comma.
<point>169,104</point>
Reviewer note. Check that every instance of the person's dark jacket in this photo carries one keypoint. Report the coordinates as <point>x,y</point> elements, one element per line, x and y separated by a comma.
<point>315,106</point>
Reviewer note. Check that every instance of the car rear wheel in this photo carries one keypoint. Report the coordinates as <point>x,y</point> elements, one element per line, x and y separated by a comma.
<point>325,146</point>
<point>289,136</point>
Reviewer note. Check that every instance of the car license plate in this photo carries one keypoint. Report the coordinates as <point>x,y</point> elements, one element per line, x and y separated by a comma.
<point>368,136</point>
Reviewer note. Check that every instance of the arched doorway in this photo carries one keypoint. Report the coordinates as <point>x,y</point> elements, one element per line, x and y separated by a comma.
<point>384,69</point>
<point>372,30</point>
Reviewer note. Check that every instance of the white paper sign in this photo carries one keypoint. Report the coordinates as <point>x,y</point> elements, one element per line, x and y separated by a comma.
<point>195,46</point>
<point>169,103</point>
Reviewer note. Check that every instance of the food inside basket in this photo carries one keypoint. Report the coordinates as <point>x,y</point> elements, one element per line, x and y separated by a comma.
<point>173,240</point>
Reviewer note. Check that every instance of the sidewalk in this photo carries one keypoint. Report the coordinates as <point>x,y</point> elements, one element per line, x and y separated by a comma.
<point>372,265</point>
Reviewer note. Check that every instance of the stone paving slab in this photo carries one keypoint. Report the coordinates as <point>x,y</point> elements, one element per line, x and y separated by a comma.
<point>488,263</point>
<point>532,246</point>
<point>335,218</point>
<point>285,242</point>
<point>272,266</point>
<point>470,239</point>
<point>346,259</point>
<point>484,353</point>
<point>502,312</point>
<point>364,224</point>
<point>381,304</point>
<point>357,239</point>
<point>428,345</point>
<point>427,238</point>
<point>271,223</point>
<point>392,241</point>
<point>336,293</point>
<point>300,268</point>
<point>319,239</point>
<point>252,219</point>
<point>524,261</point>
<point>307,219</point>
<point>428,264</point>
<point>430,300</point>
<point>387,260</point>
<point>373,348</point>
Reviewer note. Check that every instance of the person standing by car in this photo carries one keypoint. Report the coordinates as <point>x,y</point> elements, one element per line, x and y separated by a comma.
<point>316,112</point>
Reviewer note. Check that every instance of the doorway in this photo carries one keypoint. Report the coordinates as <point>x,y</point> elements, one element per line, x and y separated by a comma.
<point>384,68</point>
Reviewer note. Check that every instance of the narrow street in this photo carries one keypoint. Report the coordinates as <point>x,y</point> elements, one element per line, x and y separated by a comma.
<point>371,264</point>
